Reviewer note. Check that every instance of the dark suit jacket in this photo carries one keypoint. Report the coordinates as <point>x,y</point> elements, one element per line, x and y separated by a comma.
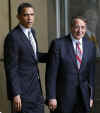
<point>63,77</point>
<point>21,66</point>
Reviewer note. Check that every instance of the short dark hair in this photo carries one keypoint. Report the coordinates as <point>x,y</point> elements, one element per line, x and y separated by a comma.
<point>22,6</point>
<point>78,17</point>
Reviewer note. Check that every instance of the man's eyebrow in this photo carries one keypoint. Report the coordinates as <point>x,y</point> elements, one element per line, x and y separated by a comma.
<point>29,13</point>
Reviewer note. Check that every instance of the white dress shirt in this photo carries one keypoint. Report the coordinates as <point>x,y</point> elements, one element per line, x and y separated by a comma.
<point>74,41</point>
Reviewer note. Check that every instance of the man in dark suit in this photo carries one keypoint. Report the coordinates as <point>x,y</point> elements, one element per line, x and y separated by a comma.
<point>70,71</point>
<point>21,59</point>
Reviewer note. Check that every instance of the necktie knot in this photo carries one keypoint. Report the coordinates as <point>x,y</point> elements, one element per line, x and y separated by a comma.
<point>78,54</point>
<point>32,42</point>
<point>77,43</point>
<point>29,35</point>
<point>78,47</point>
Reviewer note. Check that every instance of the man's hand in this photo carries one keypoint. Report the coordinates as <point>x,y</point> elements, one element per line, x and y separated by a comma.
<point>52,104</point>
<point>91,103</point>
<point>17,105</point>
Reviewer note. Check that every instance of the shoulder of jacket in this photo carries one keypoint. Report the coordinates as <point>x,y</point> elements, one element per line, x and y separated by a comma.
<point>13,33</point>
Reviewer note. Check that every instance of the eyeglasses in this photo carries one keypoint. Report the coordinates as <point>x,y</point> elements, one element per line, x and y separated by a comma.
<point>79,27</point>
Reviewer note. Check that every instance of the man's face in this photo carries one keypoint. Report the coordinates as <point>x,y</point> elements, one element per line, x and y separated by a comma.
<point>78,29</point>
<point>26,18</point>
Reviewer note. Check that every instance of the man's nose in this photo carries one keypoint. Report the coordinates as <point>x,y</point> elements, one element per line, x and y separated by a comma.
<point>79,29</point>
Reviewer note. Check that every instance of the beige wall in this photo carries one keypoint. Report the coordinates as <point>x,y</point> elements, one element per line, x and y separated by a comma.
<point>51,20</point>
<point>41,26</point>
<point>4,28</point>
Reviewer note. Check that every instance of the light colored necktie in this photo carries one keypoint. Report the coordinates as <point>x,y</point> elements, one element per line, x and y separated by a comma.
<point>78,54</point>
<point>32,41</point>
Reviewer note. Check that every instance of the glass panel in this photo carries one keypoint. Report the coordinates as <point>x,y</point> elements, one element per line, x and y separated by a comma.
<point>90,10</point>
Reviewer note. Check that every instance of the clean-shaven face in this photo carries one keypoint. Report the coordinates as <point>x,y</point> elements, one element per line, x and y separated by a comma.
<point>78,29</point>
<point>26,18</point>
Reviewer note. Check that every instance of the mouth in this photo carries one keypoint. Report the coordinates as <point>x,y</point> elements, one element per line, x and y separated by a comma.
<point>79,34</point>
<point>29,22</point>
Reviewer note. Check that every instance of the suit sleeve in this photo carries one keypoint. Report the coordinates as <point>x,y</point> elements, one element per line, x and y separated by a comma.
<point>42,57</point>
<point>92,72</point>
<point>52,71</point>
<point>11,66</point>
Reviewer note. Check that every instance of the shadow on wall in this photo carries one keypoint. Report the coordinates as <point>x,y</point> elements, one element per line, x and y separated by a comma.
<point>92,21</point>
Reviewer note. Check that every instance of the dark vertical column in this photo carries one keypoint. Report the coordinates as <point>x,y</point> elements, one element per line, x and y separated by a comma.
<point>97,88</point>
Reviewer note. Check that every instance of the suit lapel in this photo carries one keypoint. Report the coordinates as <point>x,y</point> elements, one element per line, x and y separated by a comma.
<point>34,36</point>
<point>26,42</point>
<point>72,52</point>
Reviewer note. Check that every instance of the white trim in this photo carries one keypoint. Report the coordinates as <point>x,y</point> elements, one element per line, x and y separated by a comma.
<point>66,17</point>
<point>57,18</point>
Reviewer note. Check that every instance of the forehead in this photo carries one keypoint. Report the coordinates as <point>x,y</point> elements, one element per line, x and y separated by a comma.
<point>79,21</point>
<point>28,10</point>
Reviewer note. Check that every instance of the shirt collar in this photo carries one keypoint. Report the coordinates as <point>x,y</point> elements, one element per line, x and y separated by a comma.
<point>25,30</point>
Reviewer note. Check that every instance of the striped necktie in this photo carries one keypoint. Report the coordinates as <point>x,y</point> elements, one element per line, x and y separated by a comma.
<point>32,41</point>
<point>78,54</point>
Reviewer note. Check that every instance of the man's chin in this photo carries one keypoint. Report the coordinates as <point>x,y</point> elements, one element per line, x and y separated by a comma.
<point>78,38</point>
<point>28,26</point>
